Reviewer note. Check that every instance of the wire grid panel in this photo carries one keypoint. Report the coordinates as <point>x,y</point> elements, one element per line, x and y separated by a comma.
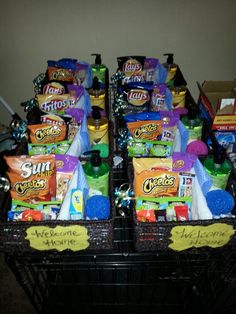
<point>131,283</point>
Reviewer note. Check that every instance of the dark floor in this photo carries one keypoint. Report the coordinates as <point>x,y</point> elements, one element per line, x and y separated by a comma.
<point>13,299</point>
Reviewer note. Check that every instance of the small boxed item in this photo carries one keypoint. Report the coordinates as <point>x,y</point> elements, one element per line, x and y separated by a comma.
<point>217,103</point>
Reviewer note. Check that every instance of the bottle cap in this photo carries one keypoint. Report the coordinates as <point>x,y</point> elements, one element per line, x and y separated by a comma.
<point>170,58</point>
<point>95,157</point>
<point>98,59</point>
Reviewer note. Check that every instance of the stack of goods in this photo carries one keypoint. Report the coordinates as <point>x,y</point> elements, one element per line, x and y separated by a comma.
<point>65,121</point>
<point>162,136</point>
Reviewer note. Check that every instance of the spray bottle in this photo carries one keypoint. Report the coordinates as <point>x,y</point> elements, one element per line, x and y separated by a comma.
<point>97,95</point>
<point>217,166</point>
<point>98,131</point>
<point>97,174</point>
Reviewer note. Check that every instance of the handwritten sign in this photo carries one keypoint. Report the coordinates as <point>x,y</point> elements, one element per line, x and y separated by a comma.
<point>215,235</point>
<point>42,238</point>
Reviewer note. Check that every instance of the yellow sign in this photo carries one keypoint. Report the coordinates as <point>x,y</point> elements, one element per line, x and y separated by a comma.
<point>73,238</point>
<point>215,235</point>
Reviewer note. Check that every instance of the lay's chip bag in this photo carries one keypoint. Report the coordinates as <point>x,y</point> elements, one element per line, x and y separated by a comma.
<point>33,178</point>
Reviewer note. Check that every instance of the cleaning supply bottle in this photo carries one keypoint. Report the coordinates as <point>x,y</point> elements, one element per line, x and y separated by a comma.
<point>96,174</point>
<point>193,123</point>
<point>217,166</point>
<point>100,71</point>
<point>171,68</point>
<point>98,131</point>
<point>97,95</point>
<point>178,91</point>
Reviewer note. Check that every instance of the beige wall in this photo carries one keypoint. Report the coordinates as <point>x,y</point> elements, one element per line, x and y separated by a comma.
<point>200,33</point>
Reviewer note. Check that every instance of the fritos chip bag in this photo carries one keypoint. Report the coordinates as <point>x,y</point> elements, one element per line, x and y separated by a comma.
<point>153,177</point>
<point>47,133</point>
<point>33,178</point>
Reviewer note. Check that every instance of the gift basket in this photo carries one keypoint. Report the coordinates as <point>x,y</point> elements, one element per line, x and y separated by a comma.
<point>60,174</point>
<point>176,189</point>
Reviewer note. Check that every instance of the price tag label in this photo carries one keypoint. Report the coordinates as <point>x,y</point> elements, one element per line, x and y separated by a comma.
<point>60,238</point>
<point>215,235</point>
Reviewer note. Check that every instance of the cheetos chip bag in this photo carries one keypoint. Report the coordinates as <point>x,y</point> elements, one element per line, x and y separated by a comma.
<point>46,133</point>
<point>33,178</point>
<point>154,177</point>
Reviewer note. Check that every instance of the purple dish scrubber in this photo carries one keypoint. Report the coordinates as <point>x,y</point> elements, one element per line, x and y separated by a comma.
<point>198,148</point>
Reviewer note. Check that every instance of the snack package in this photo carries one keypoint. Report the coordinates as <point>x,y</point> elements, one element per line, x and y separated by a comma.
<point>154,71</point>
<point>46,133</point>
<point>52,119</point>
<point>163,209</point>
<point>33,178</point>
<point>183,161</point>
<point>132,67</point>
<point>138,99</point>
<point>186,181</point>
<point>145,148</point>
<point>55,88</point>
<point>61,74</point>
<point>51,103</point>
<point>84,74</point>
<point>65,165</point>
<point>149,130</point>
<point>153,177</point>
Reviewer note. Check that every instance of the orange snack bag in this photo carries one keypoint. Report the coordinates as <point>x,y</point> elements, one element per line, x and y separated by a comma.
<point>148,130</point>
<point>46,133</point>
<point>60,74</point>
<point>33,178</point>
<point>153,177</point>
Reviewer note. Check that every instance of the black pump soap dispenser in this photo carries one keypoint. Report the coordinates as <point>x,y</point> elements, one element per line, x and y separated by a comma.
<point>97,95</point>
<point>97,174</point>
<point>99,70</point>
<point>217,166</point>
<point>171,69</point>
<point>98,131</point>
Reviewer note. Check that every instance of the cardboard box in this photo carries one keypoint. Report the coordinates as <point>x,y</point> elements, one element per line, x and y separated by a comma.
<point>214,98</point>
<point>211,92</point>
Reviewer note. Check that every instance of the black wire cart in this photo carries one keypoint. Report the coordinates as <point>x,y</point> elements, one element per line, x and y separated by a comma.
<point>121,279</point>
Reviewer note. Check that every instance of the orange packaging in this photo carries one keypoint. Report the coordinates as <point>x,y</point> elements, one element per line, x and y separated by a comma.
<point>156,183</point>
<point>47,133</point>
<point>60,74</point>
<point>153,177</point>
<point>149,130</point>
<point>33,178</point>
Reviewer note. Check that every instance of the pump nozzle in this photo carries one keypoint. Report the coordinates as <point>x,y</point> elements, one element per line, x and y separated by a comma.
<point>98,59</point>
<point>95,157</point>
<point>170,58</point>
<point>96,112</point>
<point>96,85</point>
